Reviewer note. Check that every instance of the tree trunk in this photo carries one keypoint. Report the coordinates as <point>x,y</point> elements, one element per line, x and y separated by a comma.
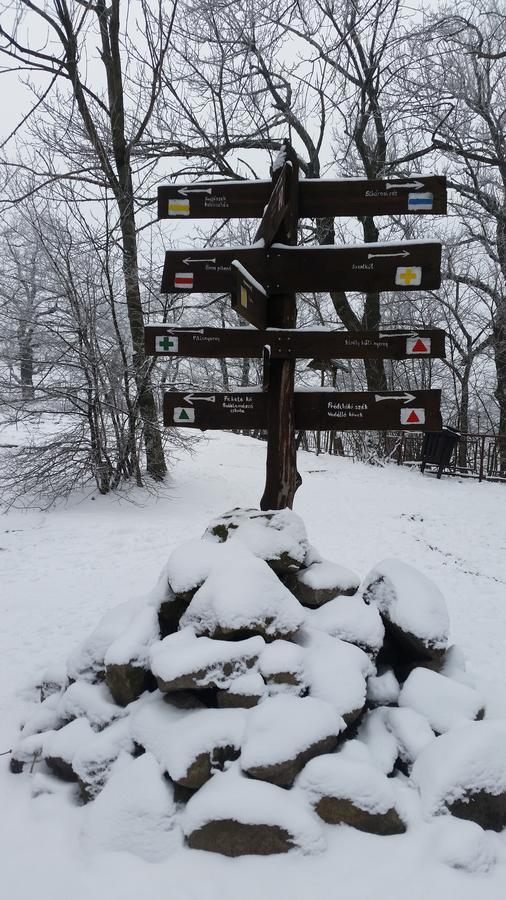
<point>26,365</point>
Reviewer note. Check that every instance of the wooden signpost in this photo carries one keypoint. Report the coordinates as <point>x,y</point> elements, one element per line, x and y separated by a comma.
<point>263,280</point>
<point>322,410</point>
<point>239,343</point>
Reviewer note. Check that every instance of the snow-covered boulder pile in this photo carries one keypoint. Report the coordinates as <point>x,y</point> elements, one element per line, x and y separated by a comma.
<point>258,696</point>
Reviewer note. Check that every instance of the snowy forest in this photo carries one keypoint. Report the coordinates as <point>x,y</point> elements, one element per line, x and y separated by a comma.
<point>119,97</point>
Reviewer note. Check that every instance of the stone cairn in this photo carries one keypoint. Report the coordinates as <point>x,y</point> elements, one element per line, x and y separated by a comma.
<point>274,693</point>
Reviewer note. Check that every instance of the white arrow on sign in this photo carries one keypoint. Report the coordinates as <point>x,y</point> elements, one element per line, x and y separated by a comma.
<point>408,184</point>
<point>186,191</point>
<point>191,397</point>
<point>178,330</point>
<point>403,253</point>
<point>190,259</point>
<point>407,398</point>
<point>406,334</point>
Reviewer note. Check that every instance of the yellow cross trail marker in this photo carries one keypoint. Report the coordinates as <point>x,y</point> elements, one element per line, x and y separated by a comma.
<point>408,276</point>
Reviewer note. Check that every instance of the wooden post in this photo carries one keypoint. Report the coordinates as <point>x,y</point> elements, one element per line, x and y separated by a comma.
<point>282,479</point>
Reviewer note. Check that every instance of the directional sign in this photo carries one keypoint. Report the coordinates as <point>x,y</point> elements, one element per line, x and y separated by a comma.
<point>249,298</point>
<point>314,410</point>
<point>412,265</point>
<point>317,197</point>
<point>275,211</point>
<point>240,343</point>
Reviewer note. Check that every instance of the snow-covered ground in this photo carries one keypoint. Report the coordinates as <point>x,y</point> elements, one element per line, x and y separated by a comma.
<point>61,570</point>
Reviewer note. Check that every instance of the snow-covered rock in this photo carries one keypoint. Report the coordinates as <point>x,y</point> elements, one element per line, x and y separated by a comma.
<point>464,771</point>
<point>127,659</point>
<point>45,717</point>
<point>412,607</point>
<point>87,661</point>
<point>462,845</point>
<point>350,792</point>
<point>134,813</point>
<point>236,816</point>
<point>53,680</point>
<point>94,758</point>
<point>352,620</point>
<point>278,537</point>
<point>454,666</point>
<point>60,747</point>
<point>282,663</point>
<point>91,701</point>
<point>383,689</point>
<point>190,564</point>
<point>336,672</point>
<point>411,731</point>
<point>321,581</point>
<point>243,596</point>
<point>243,692</point>
<point>203,741</point>
<point>382,745</point>
<point>183,661</point>
<point>283,733</point>
<point>445,703</point>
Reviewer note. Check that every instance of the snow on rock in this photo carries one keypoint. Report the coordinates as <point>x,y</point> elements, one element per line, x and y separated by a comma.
<point>183,661</point>
<point>351,792</point>
<point>87,661</point>
<point>93,760</point>
<point>411,731</point>
<point>278,537</point>
<point>411,606</point>
<point>383,689</point>
<point>134,644</point>
<point>204,740</point>
<point>190,564</point>
<point>60,747</point>
<point>90,701</point>
<point>444,703</point>
<point>379,740</point>
<point>464,771</point>
<point>321,581</point>
<point>127,659</point>
<point>46,717</point>
<point>352,620</point>
<point>244,692</point>
<point>153,725</point>
<point>461,845</point>
<point>243,596</point>
<point>53,680</point>
<point>282,663</point>
<point>336,672</point>
<point>454,666</point>
<point>134,813</point>
<point>236,816</point>
<point>28,751</point>
<point>284,732</point>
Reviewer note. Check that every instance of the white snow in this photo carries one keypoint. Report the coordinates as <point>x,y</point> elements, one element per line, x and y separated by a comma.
<point>462,845</point>
<point>87,660</point>
<point>465,760</point>
<point>153,724</point>
<point>136,641</point>
<point>411,730</point>
<point>324,575</point>
<point>134,812</point>
<point>444,703</point>
<point>335,670</point>
<point>251,684</point>
<point>65,743</point>
<point>190,563</point>
<point>183,653</point>
<point>334,775</point>
<point>229,796</point>
<point>243,593</point>
<point>409,599</point>
<point>267,535</point>
<point>281,656</point>
<point>350,619</point>
<point>61,570</point>
<point>383,689</point>
<point>92,701</point>
<point>281,727</point>
<point>378,738</point>
<point>202,731</point>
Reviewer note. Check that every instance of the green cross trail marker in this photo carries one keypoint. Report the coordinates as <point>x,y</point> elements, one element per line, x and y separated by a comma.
<point>167,344</point>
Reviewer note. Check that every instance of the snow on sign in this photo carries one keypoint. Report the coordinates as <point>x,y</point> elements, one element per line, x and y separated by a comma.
<point>408,276</point>
<point>418,346</point>
<point>412,417</point>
